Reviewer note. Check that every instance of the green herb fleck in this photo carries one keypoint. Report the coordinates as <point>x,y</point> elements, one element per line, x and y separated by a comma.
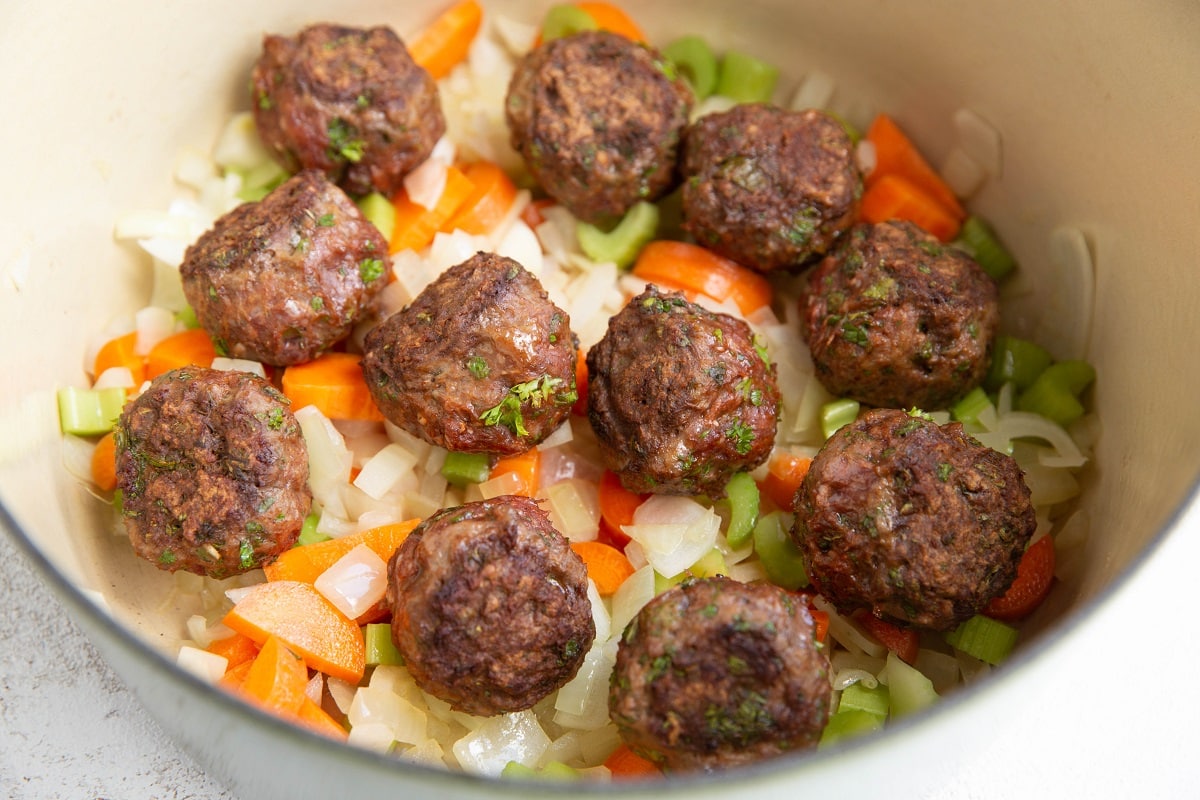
<point>317,303</point>
<point>342,142</point>
<point>943,471</point>
<point>742,436</point>
<point>246,554</point>
<point>275,419</point>
<point>325,220</point>
<point>535,393</point>
<point>478,367</point>
<point>370,269</point>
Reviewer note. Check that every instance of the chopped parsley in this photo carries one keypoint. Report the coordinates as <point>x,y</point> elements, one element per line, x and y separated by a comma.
<point>750,392</point>
<point>370,269</point>
<point>275,419</point>
<point>317,303</point>
<point>325,220</point>
<point>855,334</point>
<point>478,367</point>
<point>246,554</point>
<point>342,142</point>
<point>535,393</point>
<point>742,436</point>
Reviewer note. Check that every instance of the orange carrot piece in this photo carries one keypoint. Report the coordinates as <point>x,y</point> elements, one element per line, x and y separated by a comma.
<point>490,199</point>
<point>416,225</point>
<point>234,677</point>
<point>896,197</point>
<point>334,383</point>
<point>820,624</point>
<point>532,215</point>
<point>624,763</point>
<point>694,270</point>
<point>612,18</point>
<point>304,621</point>
<point>904,642</point>
<point>442,45</point>
<point>190,348</point>
<point>305,564</point>
<point>236,649</point>
<point>617,505</point>
<point>1035,576</point>
<point>527,467</point>
<point>104,463</point>
<point>312,716</point>
<point>895,154</point>
<point>277,678</point>
<point>580,407</point>
<point>785,473</point>
<point>606,565</point>
<point>121,352</point>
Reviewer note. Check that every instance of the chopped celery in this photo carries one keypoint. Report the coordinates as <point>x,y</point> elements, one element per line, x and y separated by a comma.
<point>89,412</point>
<point>968,409</point>
<point>848,724</point>
<point>745,78</point>
<point>463,468</point>
<point>1055,392</point>
<point>778,553</point>
<point>564,20</point>
<point>978,238</point>
<point>622,244</point>
<point>186,317</point>
<point>258,182</point>
<point>664,582</point>
<point>380,649</point>
<point>857,697</point>
<point>742,493</point>
<point>380,212</point>
<point>1016,361</point>
<point>837,414</point>
<point>710,564</point>
<point>695,61</point>
<point>908,688</point>
<point>309,533</point>
<point>552,770</point>
<point>984,638</point>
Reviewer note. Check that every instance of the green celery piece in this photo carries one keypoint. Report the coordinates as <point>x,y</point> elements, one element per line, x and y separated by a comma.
<point>463,468</point>
<point>89,412</point>
<point>710,564</point>
<point>968,409</point>
<point>848,724</point>
<point>1016,361</point>
<point>696,62</point>
<point>778,553</point>
<point>622,244</point>
<point>836,414</point>
<point>908,688</point>
<point>857,697</point>
<point>664,582</point>
<point>309,533</point>
<point>258,182</point>
<point>552,770</point>
<point>742,493</point>
<point>564,20</point>
<point>380,649</point>
<point>186,316</point>
<point>989,640</point>
<point>979,238</point>
<point>1055,393</point>
<point>380,212</point>
<point>746,79</point>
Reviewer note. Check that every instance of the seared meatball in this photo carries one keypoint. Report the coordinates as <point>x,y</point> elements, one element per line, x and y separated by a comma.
<point>598,119</point>
<point>213,472</point>
<point>917,522</point>
<point>680,397</point>
<point>489,606</point>
<point>347,101</point>
<point>283,279</point>
<point>894,318</point>
<point>716,673</point>
<point>481,361</point>
<point>768,188</point>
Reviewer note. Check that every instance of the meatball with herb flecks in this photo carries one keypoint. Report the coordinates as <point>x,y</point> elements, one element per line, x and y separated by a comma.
<point>213,472</point>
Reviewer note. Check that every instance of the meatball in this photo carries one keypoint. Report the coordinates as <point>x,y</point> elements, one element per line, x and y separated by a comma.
<point>481,361</point>
<point>716,673</point>
<point>894,318</point>
<point>915,521</point>
<point>213,472</point>
<point>284,279</point>
<point>598,119</point>
<point>768,188</point>
<point>347,101</point>
<point>490,606</point>
<point>680,397</point>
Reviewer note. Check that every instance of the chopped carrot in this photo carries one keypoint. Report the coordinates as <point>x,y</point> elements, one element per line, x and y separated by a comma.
<point>121,352</point>
<point>896,197</point>
<point>312,716</point>
<point>527,467</point>
<point>1035,575</point>
<point>606,565</point>
<point>277,678</point>
<point>104,463</point>
<point>904,642</point>
<point>895,154</point>
<point>820,624</point>
<point>334,383</point>
<point>694,270</point>
<point>624,763</point>
<point>492,196</point>
<point>236,649</point>
<point>416,225</point>
<point>579,407</point>
<point>190,348</point>
<point>532,215</point>
<point>442,45</point>
<point>617,505</point>
<point>305,564</point>
<point>235,676</point>
<point>610,17</point>
<point>785,473</point>
<point>304,621</point>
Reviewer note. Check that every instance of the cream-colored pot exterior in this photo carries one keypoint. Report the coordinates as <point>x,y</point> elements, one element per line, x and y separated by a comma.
<point>1100,116</point>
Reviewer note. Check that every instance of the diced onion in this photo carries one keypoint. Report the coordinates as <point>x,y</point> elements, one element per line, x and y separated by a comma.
<point>675,532</point>
<point>517,36</point>
<point>314,690</point>
<point>355,582</point>
<point>574,508</point>
<point>115,377</point>
<point>633,593</point>
<point>582,703</point>
<point>206,666</point>
<point>342,693</point>
<point>864,157</point>
<point>847,633</point>
<point>329,460</point>
<point>425,183</point>
<point>815,91</point>
<point>713,104</point>
<point>501,739</point>
<point>153,325</point>
<point>384,470</point>
<point>521,244</point>
<point>848,677</point>
<point>239,365</point>
<point>371,736</point>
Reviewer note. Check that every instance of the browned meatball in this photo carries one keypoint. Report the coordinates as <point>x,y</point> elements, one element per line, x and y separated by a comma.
<point>768,188</point>
<point>917,522</point>
<point>715,673</point>
<point>282,280</point>
<point>598,119</point>
<point>213,472</point>
<point>680,397</point>
<point>894,318</point>
<point>489,606</point>
<point>347,101</point>
<point>481,361</point>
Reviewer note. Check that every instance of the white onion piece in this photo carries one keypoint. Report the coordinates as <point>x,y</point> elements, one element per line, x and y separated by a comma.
<point>1066,295</point>
<point>521,244</point>
<point>329,460</point>
<point>713,104</point>
<point>355,582</point>
<point>815,91</point>
<point>239,146</point>
<point>208,667</point>
<point>864,157</point>
<point>153,325</point>
<point>501,739</point>
<point>239,365</point>
<point>372,736</point>
<point>940,668</point>
<point>314,690</point>
<point>236,593</point>
<point>115,378</point>
<point>384,470</point>
<point>848,677</point>
<point>675,532</point>
<point>425,184</point>
<point>561,435</point>
<point>77,456</point>
<point>515,35</point>
<point>847,633</point>
<point>342,692</point>
<point>980,140</point>
<point>148,224</point>
<point>582,702</point>
<point>1026,425</point>
<point>503,484</point>
<point>574,508</point>
<point>633,593</point>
